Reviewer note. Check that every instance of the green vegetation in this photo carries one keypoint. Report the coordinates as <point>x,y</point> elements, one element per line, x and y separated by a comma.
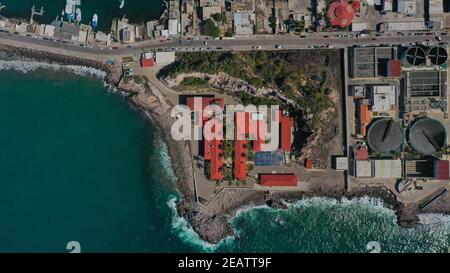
<point>229,34</point>
<point>194,81</point>
<point>210,28</point>
<point>298,26</point>
<point>301,77</point>
<point>273,23</point>
<point>127,59</point>
<point>207,169</point>
<point>220,17</point>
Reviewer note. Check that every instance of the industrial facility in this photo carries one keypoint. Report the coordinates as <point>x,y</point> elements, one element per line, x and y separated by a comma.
<point>400,112</point>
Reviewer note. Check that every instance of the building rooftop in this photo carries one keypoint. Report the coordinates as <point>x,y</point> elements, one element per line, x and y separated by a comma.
<point>278,180</point>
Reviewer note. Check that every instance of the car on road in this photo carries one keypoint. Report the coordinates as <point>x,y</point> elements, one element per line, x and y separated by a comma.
<point>340,35</point>
<point>279,47</point>
<point>349,36</point>
<point>438,38</point>
<point>326,36</point>
<point>257,47</point>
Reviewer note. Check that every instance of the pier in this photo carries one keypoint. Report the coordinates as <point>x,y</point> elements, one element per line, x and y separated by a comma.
<point>34,12</point>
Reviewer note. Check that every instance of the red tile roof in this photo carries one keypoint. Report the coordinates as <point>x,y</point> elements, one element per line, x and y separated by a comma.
<point>361,153</point>
<point>278,180</point>
<point>287,125</point>
<point>442,170</point>
<point>309,164</point>
<point>240,160</point>
<point>341,13</point>
<point>394,68</point>
<point>216,160</point>
<point>147,62</point>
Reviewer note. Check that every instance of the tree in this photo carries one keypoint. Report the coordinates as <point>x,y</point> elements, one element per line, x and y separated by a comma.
<point>220,17</point>
<point>210,28</point>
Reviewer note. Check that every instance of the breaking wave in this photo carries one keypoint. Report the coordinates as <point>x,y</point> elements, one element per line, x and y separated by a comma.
<point>187,234</point>
<point>31,66</point>
<point>328,225</point>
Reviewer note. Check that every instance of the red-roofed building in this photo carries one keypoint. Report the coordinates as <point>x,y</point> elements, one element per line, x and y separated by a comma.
<point>442,170</point>
<point>287,126</point>
<point>203,103</point>
<point>147,63</point>
<point>309,164</point>
<point>216,160</point>
<point>278,180</point>
<point>341,13</point>
<point>240,159</point>
<point>394,68</point>
<point>365,118</point>
<point>361,153</point>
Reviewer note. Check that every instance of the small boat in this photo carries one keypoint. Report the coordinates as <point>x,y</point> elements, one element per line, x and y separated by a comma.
<point>94,20</point>
<point>78,13</point>
<point>69,10</point>
<point>122,3</point>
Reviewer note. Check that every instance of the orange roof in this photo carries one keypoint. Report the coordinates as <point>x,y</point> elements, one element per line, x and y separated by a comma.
<point>365,114</point>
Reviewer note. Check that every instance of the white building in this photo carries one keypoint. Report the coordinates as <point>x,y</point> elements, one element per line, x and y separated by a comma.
<point>436,7</point>
<point>387,5</point>
<point>49,31</point>
<point>363,169</point>
<point>21,28</point>
<point>389,168</point>
<point>384,98</point>
<point>164,58</point>
<point>407,7</point>
<point>359,26</point>
<point>103,38</point>
<point>173,27</point>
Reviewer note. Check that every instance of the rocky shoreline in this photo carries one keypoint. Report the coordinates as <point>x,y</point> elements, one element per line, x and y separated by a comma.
<point>212,223</point>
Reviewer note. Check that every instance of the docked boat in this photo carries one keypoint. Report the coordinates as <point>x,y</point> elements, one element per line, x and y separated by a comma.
<point>69,10</point>
<point>122,3</point>
<point>94,20</point>
<point>78,13</point>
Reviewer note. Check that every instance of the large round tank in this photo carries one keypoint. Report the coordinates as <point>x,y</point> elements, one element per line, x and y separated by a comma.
<point>427,136</point>
<point>413,56</point>
<point>437,55</point>
<point>385,136</point>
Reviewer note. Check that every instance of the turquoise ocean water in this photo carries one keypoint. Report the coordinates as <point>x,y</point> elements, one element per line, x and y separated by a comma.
<point>136,10</point>
<point>77,163</point>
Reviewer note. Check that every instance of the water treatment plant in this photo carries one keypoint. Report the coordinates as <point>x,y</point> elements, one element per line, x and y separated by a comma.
<point>399,125</point>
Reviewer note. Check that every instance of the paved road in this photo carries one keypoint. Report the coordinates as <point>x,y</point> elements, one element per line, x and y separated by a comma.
<point>267,42</point>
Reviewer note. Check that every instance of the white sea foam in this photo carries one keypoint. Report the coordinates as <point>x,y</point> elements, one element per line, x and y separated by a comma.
<point>187,234</point>
<point>31,66</point>
<point>165,159</point>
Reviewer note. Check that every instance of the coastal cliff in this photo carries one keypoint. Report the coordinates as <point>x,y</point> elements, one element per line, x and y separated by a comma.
<point>212,222</point>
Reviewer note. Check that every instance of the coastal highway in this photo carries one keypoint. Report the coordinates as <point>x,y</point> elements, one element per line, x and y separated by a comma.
<point>266,42</point>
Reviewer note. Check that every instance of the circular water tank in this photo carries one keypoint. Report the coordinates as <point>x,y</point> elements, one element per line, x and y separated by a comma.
<point>385,136</point>
<point>437,55</point>
<point>413,56</point>
<point>427,136</point>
